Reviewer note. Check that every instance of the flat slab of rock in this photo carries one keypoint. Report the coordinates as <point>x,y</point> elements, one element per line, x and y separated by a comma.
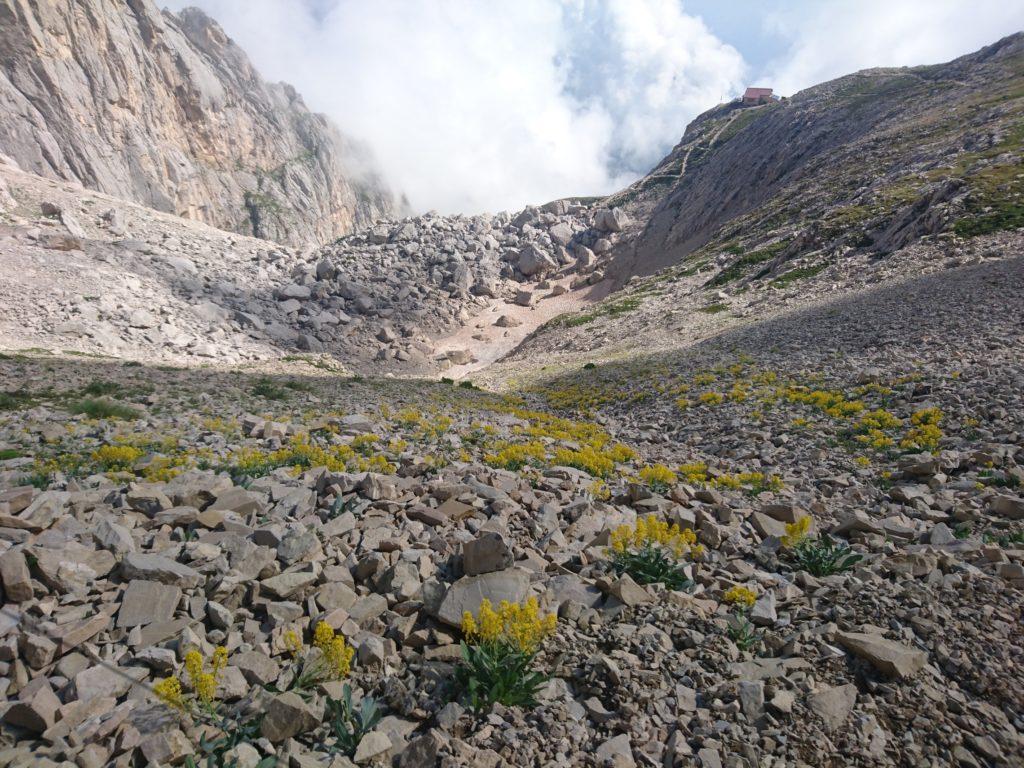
<point>286,584</point>
<point>467,593</point>
<point>833,705</point>
<point>890,658</point>
<point>147,601</point>
<point>158,568</point>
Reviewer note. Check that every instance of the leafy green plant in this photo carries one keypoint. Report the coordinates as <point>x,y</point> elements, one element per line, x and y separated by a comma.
<point>214,751</point>
<point>493,672</point>
<point>498,653</point>
<point>101,408</point>
<point>742,633</point>
<point>349,724</point>
<point>651,565</point>
<point>1006,540</point>
<point>824,556</point>
<point>650,552</point>
<point>330,657</point>
<point>268,390</point>
<point>9,453</point>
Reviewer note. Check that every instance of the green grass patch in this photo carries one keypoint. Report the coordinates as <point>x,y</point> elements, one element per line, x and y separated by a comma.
<point>743,264</point>
<point>996,202</point>
<point>101,408</point>
<point>269,390</point>
<point>9,453</point>
<point>98,388</point>
<point>714,309</point>
<point>606,309</point>
<point>16,399</point>
<point>783,281</point>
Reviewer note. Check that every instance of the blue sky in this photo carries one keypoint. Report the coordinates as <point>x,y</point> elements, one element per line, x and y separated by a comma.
<point>473,105</point>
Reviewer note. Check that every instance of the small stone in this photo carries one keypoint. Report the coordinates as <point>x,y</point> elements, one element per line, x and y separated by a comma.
<point>36,707</point>
<point>159,568</point>
<point>287,715</point>
<point>166,748</point>
<point>616,752</point>
<point>467,593</point>
<point>14,573</point>
<point>833,705</point>
<point>372,745</point>
<point>752,698</point>
<point>487,553</point>
<point>629,592</point>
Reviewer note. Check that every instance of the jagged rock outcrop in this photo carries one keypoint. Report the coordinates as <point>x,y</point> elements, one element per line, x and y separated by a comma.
<point>167,111</point>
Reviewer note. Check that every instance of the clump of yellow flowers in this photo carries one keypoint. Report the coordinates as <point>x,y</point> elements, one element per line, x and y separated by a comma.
<point>203,677</point>
<point>740,629</point>
<point>796,532</point>
<point>518,625</point>
<point>330,657</point>
<point>650,531</point>
<point>740,596</point>
<point>116,458</point>
<point>925,434</point>
<point>649,551</point>
<point>658,477</point>
<point>498,651</point>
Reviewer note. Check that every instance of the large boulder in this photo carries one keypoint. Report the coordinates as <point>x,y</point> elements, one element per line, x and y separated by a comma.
<point>533,261</point>
<point>610,219</point>
<point>469,592</point>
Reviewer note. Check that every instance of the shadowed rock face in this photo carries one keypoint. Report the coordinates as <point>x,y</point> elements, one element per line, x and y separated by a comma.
<point>167,111</point>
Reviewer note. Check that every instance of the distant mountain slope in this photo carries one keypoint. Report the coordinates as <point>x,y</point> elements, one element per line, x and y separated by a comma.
<point>167,111</point>
<point>866,163</point>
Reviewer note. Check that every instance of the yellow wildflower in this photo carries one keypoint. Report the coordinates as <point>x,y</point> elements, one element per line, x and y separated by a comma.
<point>193,665</point>
<point>796,532</point>
<point>168,691</point>
<point>219,660</point>
<point>292,642</point>
<point>338,654</point>
<point>741,596</point>
<point>658,476</point>
<point>323,635</point>
<point>513,624</point>
<point>205,684</point>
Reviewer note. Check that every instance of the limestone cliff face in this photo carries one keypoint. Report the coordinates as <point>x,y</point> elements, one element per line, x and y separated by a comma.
<point>166,110</point>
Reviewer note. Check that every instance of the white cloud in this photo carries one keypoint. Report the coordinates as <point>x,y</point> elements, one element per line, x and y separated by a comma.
<point>828,40</point>
<point>472,105</point>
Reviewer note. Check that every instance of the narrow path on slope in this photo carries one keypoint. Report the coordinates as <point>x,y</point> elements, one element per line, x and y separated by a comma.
<point>489,342</point>
<point>710,144</point>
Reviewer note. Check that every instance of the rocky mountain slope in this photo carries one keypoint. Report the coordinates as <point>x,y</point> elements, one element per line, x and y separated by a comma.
<point>416,296</point>
<point>150,512</point>
<point>167,111</point>
<point>867,163</point>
